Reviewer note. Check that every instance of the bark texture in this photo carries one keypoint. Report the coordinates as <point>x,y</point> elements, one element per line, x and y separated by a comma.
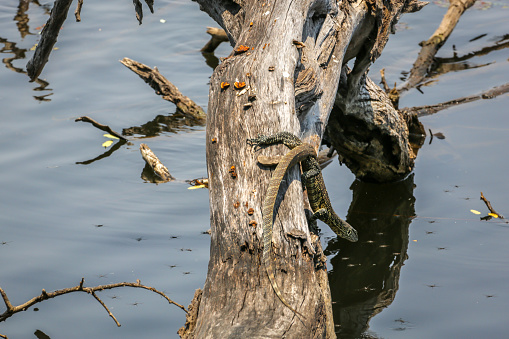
<point>282,75</point>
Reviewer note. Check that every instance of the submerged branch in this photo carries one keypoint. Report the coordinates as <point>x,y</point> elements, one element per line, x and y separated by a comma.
<point>102,127</point>
<point>432,109</point>
<point>430,47</point>
<point>49,36</point>
<point>164,87</point>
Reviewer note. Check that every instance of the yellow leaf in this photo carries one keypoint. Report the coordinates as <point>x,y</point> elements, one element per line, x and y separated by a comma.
<point>196,187</point>
<point>33,47</point>
<point>475,212</point>
<point>493,215</point>
<point>109,136</point>
<point>107,143</point>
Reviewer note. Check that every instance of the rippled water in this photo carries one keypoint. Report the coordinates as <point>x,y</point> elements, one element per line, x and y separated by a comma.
<point>425,266</point>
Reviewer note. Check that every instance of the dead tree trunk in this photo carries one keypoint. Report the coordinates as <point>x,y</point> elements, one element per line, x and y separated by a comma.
<point>290,55</point>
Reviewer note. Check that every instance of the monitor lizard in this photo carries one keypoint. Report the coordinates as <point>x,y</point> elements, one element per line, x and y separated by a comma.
<point>318,197</point>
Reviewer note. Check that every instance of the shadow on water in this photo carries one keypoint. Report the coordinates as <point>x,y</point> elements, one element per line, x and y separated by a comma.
<point>365,275</point>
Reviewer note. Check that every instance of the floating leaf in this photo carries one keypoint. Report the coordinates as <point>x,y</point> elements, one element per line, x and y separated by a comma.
<point>107,143</point>
<point>110,136</point>
<point>196,187</point>
<point>162,21</point>
<point>475,212</point>
<point>33,47</point>
<point>493,215</point>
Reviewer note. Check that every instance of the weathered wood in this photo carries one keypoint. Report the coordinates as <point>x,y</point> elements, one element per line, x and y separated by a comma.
<point>164,87</point>
<point>371,136</point>
<point>430,47</point>
<point>291,69</point>
<point>155,164</point>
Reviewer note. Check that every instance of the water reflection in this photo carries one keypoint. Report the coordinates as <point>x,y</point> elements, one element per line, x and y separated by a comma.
<point>22,20</point>
<point>161,124</point>
<point>365,275</point>
<point>106,154</point>
<point>19,54</point>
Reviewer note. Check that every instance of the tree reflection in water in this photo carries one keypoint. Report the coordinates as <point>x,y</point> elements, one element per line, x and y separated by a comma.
<point>365,275</point>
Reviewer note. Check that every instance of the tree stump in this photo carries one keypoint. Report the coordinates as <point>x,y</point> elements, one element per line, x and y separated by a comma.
<point>283,75</point>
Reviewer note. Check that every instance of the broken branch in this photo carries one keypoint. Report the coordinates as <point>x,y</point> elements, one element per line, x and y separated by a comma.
<point>77,12</point>
<point>488,204</point>
<point>164,87</point>
<point>153,161</point>
<point>11,310</point>
<point>430,47</point>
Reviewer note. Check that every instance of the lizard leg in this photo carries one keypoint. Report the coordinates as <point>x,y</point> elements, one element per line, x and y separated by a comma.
<point>322,214</point>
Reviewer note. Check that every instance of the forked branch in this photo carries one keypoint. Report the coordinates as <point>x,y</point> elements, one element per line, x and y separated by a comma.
<point>11,310</point>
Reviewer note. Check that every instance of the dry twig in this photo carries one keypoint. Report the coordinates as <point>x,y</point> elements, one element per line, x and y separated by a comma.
<point>11,310</point>
<point>488,204</point>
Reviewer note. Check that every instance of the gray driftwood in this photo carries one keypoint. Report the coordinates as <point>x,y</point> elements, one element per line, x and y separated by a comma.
<point>290,55</point>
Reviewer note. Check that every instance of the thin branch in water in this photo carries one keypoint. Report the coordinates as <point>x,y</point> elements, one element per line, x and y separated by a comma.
<point>432,109</point>
<point>11,310</point>
<point>102,127</point>
<point>430,47</point>
<point>488,204</point>
<point>106,308</point>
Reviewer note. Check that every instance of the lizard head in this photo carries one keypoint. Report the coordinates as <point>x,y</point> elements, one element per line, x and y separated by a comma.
<point>349,233</point>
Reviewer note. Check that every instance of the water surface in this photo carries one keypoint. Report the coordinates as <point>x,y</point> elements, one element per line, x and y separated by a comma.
<point>425,266</point>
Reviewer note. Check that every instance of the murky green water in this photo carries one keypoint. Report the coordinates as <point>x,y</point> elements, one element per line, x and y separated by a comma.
<point>425,266</point>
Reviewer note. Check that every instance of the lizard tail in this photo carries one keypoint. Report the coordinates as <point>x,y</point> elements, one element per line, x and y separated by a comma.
<point>288,161</point>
